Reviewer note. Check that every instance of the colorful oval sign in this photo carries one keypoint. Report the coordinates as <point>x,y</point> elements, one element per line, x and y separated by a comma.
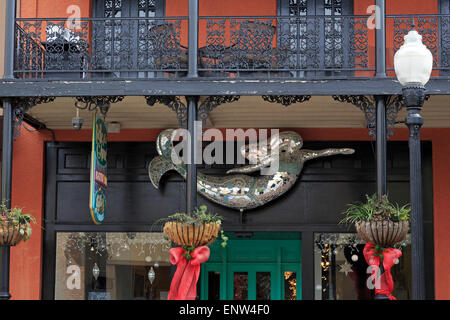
<point>99,181</point>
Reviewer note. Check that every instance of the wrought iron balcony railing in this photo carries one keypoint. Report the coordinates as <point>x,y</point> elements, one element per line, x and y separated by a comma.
<point>100,48</point>
<point>308,47</point>
<point>302,46</point>
<point>435,31</point>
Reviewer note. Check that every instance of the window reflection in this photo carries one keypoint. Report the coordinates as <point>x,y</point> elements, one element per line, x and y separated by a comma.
<point>112,266</point>
<point>263,285</point>
<point>213,285</point>
<point>340,270</point>
<point>240,286</point>
<point>290,285</point>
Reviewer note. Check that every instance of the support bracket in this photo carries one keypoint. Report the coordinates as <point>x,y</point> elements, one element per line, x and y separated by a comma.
<point>394,104</point>
<point>367,105</point>
<point>21,105</point>
<point>173,103</point>
<point>286,100</point>
<point>91,103</point>
<point>212,102</point>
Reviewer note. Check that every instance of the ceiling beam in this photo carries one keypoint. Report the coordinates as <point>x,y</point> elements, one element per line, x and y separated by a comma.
<point>247,87</point>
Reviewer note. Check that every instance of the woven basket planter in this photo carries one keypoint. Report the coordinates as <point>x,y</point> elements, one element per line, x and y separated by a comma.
<point>385,233</point>
<point>192,235</point>
<point>10,234</point>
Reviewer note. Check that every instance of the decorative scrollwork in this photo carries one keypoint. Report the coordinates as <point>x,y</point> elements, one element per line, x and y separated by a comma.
<point>172,102</point>
<point>212,102</point>
<point>428,27</point>
<point>393,106</point>
<point>101,102</point>
<point>286,100</point>
<point>444,30</point>
<point>24,104</point>
<point>367,105</point>
<point>304,44</point>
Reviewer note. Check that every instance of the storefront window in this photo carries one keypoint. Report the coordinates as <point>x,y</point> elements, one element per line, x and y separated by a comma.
<point>112,266</point>
<point>341,272</point>
<point>290,285</point>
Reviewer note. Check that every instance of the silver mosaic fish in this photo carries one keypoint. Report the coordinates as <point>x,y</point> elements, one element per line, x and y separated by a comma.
<point>237,189</point>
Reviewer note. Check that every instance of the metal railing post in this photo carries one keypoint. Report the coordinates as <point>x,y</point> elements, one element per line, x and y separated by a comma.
<point>6,192</point>
<point>193,39</point>
<point>9,39</point>
<point>380,39</point>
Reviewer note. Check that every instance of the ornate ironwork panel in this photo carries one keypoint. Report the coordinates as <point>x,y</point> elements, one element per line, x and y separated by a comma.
<point>126,39</point>
<point>160,46</point>
<point>299,43</point>
<point>22,105</point>
<point>334,26</point>
<point>102,103</point>
<point>359,41</point>
<point>302,42</point>
<point>212,102</point>
<point>248,47</point>
<point>286,100</point>
<point>30,54</point>
<point>393,106</point>
<point>66,49</point>
<point>428,27</point>
<point>172,102</point>
<point>367,105</point>
<point>48,46</point>
<point>444,28</point>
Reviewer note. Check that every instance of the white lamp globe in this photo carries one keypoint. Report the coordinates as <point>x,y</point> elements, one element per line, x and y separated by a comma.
<point>413,62</point>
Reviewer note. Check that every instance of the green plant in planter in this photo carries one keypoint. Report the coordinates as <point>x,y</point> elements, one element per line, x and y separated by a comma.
<point>379,221</point>
<point>197,217</point>
<point>15,217</point>
<point>375,210</point>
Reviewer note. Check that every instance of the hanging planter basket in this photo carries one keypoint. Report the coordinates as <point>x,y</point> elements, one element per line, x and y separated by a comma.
<point>385,233</point>
<point>10,234</point>
<point>191,234</point>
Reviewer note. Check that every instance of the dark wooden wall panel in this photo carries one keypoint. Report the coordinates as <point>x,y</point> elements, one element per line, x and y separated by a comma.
<point>319,196</point>
<point>314,204</point>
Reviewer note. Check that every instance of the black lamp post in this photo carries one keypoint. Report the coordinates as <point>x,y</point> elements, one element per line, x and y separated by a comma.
<point>413,65</point>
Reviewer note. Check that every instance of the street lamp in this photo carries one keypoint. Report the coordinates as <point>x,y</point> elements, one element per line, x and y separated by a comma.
<point>413,64</point>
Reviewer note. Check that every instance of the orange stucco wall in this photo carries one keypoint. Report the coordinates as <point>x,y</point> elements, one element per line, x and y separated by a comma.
<point>28,191</point>
<point>52,9</point>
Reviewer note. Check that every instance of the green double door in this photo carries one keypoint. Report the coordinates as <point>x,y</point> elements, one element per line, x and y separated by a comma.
<point>266,266</point>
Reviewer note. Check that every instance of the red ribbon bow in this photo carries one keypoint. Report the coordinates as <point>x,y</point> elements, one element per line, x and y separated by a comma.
<point>184,282</point>
<point>383,284</point>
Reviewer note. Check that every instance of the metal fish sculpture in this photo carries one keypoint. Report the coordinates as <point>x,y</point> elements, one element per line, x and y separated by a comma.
<point>238,190</point>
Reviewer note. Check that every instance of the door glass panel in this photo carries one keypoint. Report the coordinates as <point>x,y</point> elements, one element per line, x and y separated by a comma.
<point>213,285</point>
<point>290,285</point>
<point>240,286</point>
<point>263,286</point>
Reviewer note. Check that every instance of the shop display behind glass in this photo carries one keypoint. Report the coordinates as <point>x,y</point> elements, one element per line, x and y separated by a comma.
<point>341,272</point>
<point>112,266</point>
